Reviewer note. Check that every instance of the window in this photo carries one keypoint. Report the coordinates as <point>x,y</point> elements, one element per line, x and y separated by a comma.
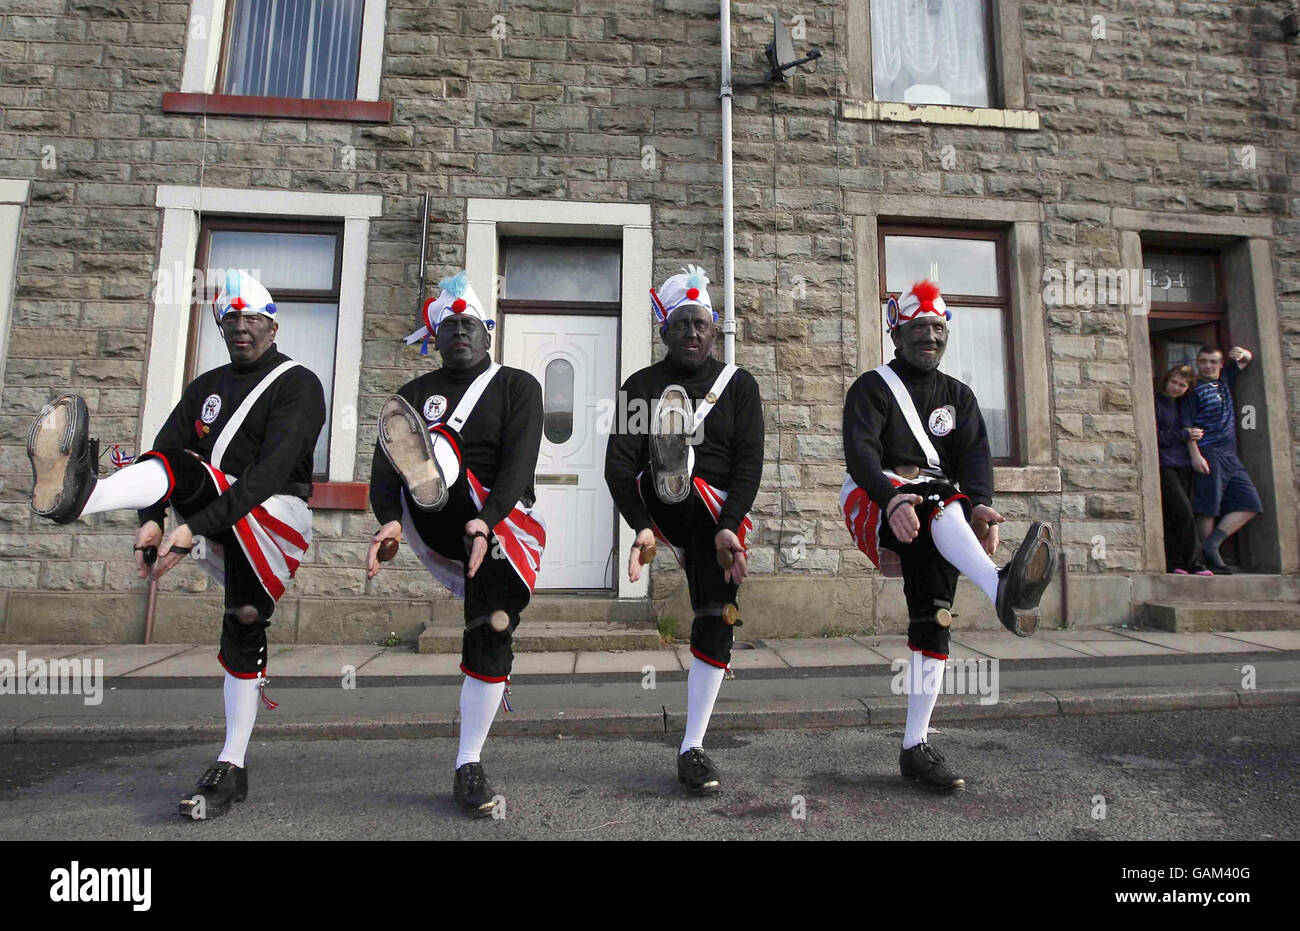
<point>292,48</point>
<point>970,267</point>
<point>300,264</point>
<point>557,401</point>
<point>931,52</point>
<point>547,273</point>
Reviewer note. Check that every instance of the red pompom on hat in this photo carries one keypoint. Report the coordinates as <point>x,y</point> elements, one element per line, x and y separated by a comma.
<point>458,306</point>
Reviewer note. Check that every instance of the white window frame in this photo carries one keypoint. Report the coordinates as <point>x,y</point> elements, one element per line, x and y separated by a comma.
<point>488,220</point>
<point>169,330</point>
<point>206,32</point>
<point>13,197</point>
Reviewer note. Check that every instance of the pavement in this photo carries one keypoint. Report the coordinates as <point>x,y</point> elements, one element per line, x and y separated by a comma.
<point>171,692</point>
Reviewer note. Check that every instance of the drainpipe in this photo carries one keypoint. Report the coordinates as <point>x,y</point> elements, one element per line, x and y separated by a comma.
<point>728,230</point>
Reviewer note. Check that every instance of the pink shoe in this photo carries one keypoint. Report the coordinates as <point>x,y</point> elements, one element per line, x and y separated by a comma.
<point>1180,572</point>
<point>1204,572</point>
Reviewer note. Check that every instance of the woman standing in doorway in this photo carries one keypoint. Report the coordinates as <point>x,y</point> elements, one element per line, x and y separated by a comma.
<point>1182,547</point>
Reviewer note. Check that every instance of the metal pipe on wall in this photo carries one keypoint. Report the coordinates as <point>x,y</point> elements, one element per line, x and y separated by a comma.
<point>728,231</point>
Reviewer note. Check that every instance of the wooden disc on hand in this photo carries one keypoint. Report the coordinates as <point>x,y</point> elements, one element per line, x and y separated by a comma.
<point>648,553</point>
<point>726,558</point>
<point>387,550</point>
<point>981,528</point>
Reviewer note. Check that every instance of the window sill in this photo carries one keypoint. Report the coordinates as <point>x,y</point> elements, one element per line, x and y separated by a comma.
<point>940,114</point>
<point>1026,479</point>
<point>340,496</point>
<point>287,108</point>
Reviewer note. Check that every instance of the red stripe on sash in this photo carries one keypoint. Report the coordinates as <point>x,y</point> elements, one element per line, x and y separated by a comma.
<point>274,587</point>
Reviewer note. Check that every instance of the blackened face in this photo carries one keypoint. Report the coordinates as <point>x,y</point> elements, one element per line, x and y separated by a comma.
<point>247,336</point>
<point>690,336</point>
<point>921,343</point>
<point>463,341</point>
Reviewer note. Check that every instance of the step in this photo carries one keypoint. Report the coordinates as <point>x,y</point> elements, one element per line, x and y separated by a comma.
<point>1180,617</point>
<point>1167,588</point>
<point>538,636</point>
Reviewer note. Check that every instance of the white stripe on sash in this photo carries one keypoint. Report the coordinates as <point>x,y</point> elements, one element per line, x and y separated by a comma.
<point>910,415</point>
<point>237,420</point>
<point>719,385</point>
<point>470,399</point>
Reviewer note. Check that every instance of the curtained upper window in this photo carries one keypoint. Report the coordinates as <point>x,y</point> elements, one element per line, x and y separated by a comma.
<point>293,48</point>
<point>931,52</point>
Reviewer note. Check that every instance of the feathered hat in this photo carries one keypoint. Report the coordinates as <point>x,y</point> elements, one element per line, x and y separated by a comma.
<point>684,290</point>
<point>457,297</point>
<point>923,299</point>
<point>242,293</point>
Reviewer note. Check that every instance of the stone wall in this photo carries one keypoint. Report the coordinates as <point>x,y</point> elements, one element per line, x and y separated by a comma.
<point>617,102</point>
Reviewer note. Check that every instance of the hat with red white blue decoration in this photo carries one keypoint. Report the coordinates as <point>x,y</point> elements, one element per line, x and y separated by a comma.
<point>923,300</point>
<point>684,290</point>
<point>244,294</point>
<point>457,297</point>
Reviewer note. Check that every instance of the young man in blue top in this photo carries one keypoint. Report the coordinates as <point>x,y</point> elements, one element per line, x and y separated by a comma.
<point>1221,488</point>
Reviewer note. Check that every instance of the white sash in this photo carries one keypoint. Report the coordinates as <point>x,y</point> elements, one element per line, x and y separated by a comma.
<point>904,401</point>
<point>232,426</point>
<point>715,392</point>
<point>467,403</point>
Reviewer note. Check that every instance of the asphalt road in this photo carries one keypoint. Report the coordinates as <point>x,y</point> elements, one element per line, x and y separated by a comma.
<point>1171,775</point>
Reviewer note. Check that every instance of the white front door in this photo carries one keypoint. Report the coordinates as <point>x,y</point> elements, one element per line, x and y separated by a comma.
<point>575,360</point>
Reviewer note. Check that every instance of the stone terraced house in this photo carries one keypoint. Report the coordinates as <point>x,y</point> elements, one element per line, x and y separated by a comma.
<point>1100,187</point>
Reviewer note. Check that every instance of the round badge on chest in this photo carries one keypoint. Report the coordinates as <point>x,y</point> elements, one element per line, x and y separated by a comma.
<point>942,420</point>
<point>435,407</point>
<point>211,408</point>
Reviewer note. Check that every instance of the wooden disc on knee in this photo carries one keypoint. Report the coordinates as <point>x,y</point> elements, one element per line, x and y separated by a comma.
<point>499,621</point>
<point>943,617</point>
<point>247,615</point>
<point>387,550</point>
<point>731,616</point>
<point>648,553</point>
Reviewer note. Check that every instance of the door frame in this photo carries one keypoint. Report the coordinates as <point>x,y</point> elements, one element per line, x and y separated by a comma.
<point>488,221</point>
<point>1244,245</point>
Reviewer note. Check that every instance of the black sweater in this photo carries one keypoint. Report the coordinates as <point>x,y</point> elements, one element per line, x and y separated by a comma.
<point>273,448</point>
<point>730,457</point>
<point>500,441</point>
<point>876,437</point>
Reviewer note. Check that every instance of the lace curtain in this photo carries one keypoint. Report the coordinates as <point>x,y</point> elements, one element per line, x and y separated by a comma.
<point>930,51</point>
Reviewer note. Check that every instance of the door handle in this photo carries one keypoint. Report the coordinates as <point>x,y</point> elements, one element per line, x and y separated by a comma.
<point>560,479</point>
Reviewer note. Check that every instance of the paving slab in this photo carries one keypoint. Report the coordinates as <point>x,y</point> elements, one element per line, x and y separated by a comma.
<point>1122,646</point>
<point>1275,639</point>
<point>841,651</point>
<point>407,663</point>
<point>122,658</point>
<point>1194,642</point>
<point>542,664</point>
<point>746,716</point>
<point>740,659</point>
<point>10,651</point>
<point>1009,646</point>
<point>894,647</point>
<point>327,661</point>
<point>630,661</point>
<point>195,662</point>
<point>1081,633</point>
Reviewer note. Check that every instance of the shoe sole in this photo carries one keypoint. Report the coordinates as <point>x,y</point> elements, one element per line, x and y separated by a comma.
<point>1035,562</point>
<point>405,441</point>
<point>703,791</point>
<point>959,786</point>
<point>50,449</point>
<point>482,811</point>
<point>669,452</point>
